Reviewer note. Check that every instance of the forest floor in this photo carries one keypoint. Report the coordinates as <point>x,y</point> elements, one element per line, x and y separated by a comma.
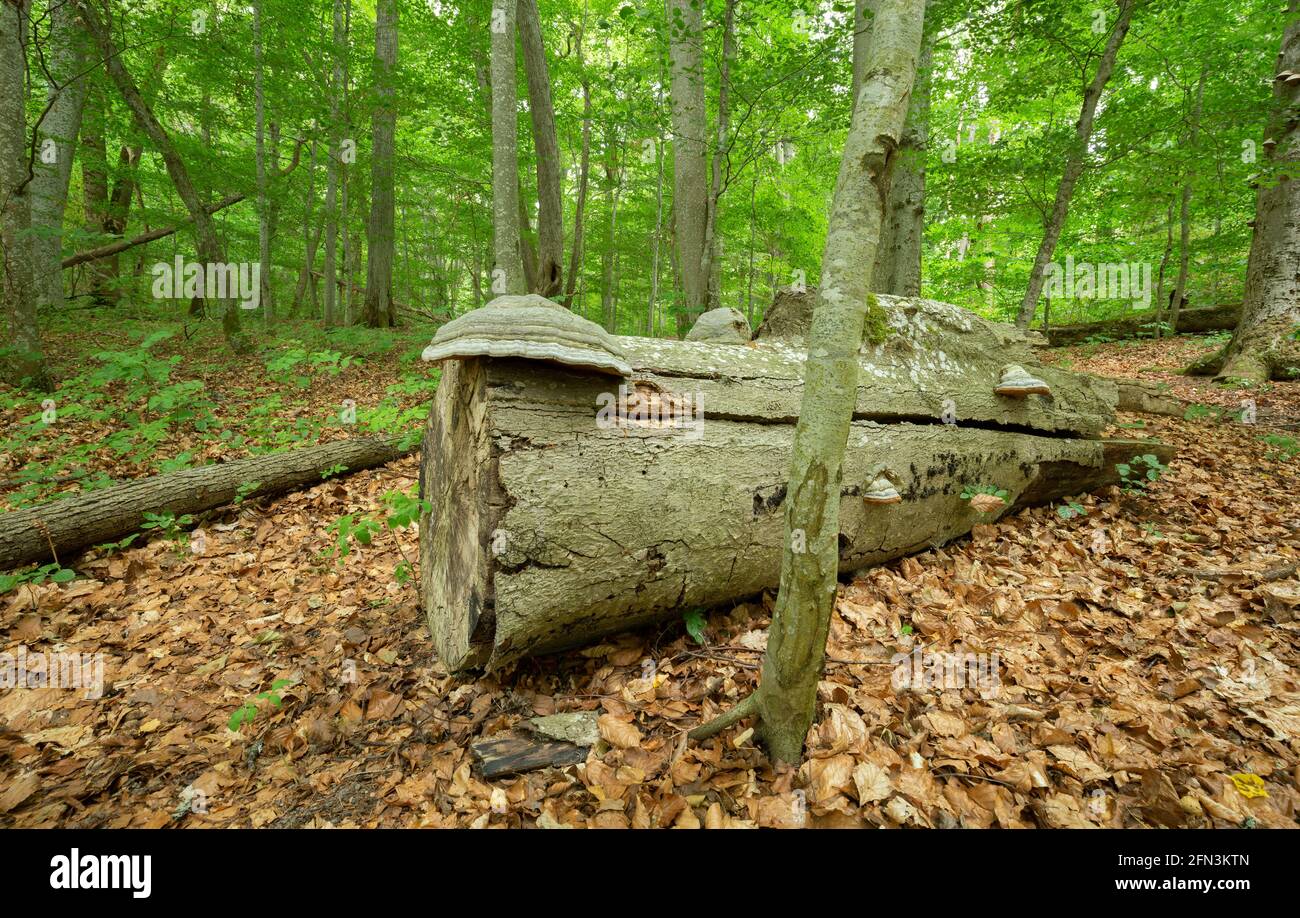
<point>1148,672</point>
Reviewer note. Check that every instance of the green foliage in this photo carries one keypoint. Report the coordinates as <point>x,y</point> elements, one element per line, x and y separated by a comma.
<point>1070,509</point>
<point>246,712</point>
<point>970,491</point>
<point>1283,448</point>
<point>695,624</point>
<point>36,576</point>
<point>298,365</point>
<point>1140,472</point>
<point>168,525</point>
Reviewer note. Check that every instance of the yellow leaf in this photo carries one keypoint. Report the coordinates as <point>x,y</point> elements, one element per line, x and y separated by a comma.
<point>1249,785</point>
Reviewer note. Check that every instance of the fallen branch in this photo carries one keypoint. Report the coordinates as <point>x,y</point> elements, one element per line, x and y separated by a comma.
<point>113,248</point>
<point>63,527</point>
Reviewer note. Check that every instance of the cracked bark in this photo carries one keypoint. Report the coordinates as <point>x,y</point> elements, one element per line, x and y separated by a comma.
<point>548,532</point>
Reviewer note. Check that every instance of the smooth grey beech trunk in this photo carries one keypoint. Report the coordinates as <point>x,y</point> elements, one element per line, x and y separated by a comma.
<point>329,266</point>
<point>67,60</point>
<point>690,132</point>
<point>845,316</point>
<point>1185,211</point>
<point>549,278</point>
<point>1074,164</point>
<point>584,169</point>
<point>508,274</point>
<point>1264,345</point>
<point>22,355</point>
<point>263,207</point>
<point>378,310</point>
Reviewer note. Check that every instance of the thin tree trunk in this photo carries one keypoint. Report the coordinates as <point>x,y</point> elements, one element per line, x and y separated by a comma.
<point>712,267</point>
<point>1185,217</point>
<point>1161,310</point>
<point>210,249</point>
<point>1264,345</point>
<point>349,254</point>
<point>654,242</point>
<point>263,211</point>
<point>379,310</point>
<point>690,129</point>
<point>550,207</point>
<point>1074,165</point>
<point>580,209</point>
<point>844,315</point>
<point>310,239</point>
<point>329,268</point>
<point>508,274</point>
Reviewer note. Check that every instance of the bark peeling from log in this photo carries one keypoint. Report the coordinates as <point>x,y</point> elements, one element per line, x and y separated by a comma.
<point>549,530</point>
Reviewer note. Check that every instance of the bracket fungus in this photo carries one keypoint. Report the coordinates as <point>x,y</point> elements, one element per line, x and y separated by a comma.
<point>882,491</point>
<point>1017,383</point>
<point>533,328</point>
<point>723,325</point>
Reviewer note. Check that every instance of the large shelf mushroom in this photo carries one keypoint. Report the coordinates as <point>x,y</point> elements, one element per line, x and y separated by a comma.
<point>533,328</point>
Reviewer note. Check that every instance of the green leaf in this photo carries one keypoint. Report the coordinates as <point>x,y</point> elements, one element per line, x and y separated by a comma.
<point>695,623</point>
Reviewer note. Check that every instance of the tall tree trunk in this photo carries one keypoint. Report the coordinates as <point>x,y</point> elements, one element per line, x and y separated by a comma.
<point>655,239</point>
<point>21,358</point>
<point>66,61</point>
<point>329,268</point>
<point>378,310</point>
<point>1164,264</point>
<point>712,267</point>
<point>584,167</point>
<point>690,129</point>
<point>310,239</point>
<point>845,315</point>
<point>210,249</point>
<point>609,316</point>
<point>508,274</point>
<point>898,262</point>
<point>1185,215</point>
<point>1265,344</point>
<point>349,253</point>
<point>1074,165</point>
<point>263,210</point>
<point>549,278</point>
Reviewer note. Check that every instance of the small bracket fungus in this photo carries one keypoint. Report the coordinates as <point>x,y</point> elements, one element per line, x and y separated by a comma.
<point>721,326</point>
<point>882,491</point>
<point>1017,383</point>
<point>533,328</point>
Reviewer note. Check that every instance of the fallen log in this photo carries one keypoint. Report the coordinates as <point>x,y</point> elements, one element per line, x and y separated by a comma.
<point>62,527</point>
<point>1147,397</point>
<point>1190,321</point>
<point>552,525</point>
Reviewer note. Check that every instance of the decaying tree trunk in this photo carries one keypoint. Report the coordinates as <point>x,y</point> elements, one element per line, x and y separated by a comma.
<point>1190,321</point>
<point>65,526</point>
<point>548,530</point>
